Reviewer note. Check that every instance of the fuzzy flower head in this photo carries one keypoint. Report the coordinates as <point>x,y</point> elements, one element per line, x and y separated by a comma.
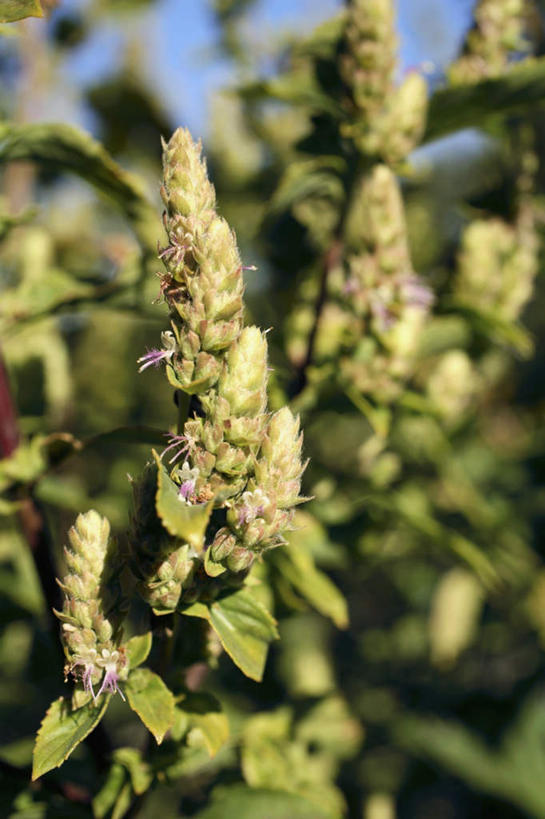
<point>91,615</point>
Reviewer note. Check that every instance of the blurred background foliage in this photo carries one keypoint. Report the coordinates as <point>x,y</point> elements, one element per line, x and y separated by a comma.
<point>409,678</point>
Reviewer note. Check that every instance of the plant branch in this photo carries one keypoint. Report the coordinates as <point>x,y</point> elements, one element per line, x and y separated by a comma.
<point>33,523</point>
<point>331,259</point>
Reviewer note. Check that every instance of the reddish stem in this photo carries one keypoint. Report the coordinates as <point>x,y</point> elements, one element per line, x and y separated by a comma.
<point>9,433</point>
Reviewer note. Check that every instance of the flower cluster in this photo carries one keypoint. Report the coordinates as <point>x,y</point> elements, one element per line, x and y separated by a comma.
<point>377,305</point>
<point>383,120</point>
<point>91,614</point>
<point>202,283</point>
<point>496,268</point>
<point>383,291</point>
<point>497,33</point>
<point>231,452</point>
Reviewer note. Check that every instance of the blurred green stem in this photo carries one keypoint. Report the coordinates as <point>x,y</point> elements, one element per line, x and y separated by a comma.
<point>331,259</point>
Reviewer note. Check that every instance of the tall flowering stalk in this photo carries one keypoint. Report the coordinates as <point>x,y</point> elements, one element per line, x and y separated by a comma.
<point>382,291</point>
<point>384,120</point>
<point>221,458</point>
<point>91,615</point>
<point>362,322</point>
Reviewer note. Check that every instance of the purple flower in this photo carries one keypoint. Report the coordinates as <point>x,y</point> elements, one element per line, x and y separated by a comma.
<point>154,357</point>
<point>416,293</point>
<point>188,478</point>
<point>254,506</point>
<point>109,661</point>
<point>185,443</point>
<point>381,313</point>
<point>88,679</point>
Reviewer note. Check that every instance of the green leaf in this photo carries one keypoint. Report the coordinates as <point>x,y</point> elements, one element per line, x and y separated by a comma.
<point>52,291</point>
<point>324,39</point>
<point>139,771</point>
<point>296,565</point>
<point>297,88</point>
<point>207,722</point>
<point>306,178</point>
<point>241,802</point>
<point>12,10</point>
<point>138,648</point>
<point>151,699</point>
<point>212,568</point>
<point>123,802</point>
<point>108,795</point>
<point>245,629</point>
<point>180,519</point>
<point>70,149</point>
<point>61,731</point>
<point>24,465</point>
<point>472,105</point>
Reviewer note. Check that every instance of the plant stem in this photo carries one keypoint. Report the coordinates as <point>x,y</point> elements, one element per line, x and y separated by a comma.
<point>9,433</point>
<point>331,259</point>
<point>183,400</point>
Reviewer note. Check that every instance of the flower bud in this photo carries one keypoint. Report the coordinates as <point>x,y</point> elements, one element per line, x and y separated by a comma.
<point>186,189</point>
<point>223,544</point>
<point>404,118</point>
<point>244,382</point>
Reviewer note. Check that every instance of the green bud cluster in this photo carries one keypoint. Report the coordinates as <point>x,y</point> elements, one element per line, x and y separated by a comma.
<point>383,120</point>
<point>498,32</point>
<point>259,516</point>
<point>161,564</point>
<point>225,441</point>
<point>231,453</point>
<point>203,280</point>
<point>92,611</point>
<point>370,327</point>
<point>452,386</point>
<point>368,61</point>
<point>496,267</point>
<point>384,292</point>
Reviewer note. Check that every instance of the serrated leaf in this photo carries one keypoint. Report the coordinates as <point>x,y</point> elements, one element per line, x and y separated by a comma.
<point>12,10</point>
<point>138,648</point>
<point>205,716</point>
<point>61,731</point>
<point>180,519</point>
<point>245,629</point>
<point>248,803</point>
<point>70,149</point>
<point>149,697</point>
<point>466,106</point>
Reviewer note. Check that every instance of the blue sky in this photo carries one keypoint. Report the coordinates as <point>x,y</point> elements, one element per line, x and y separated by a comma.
<point>181,59</point>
